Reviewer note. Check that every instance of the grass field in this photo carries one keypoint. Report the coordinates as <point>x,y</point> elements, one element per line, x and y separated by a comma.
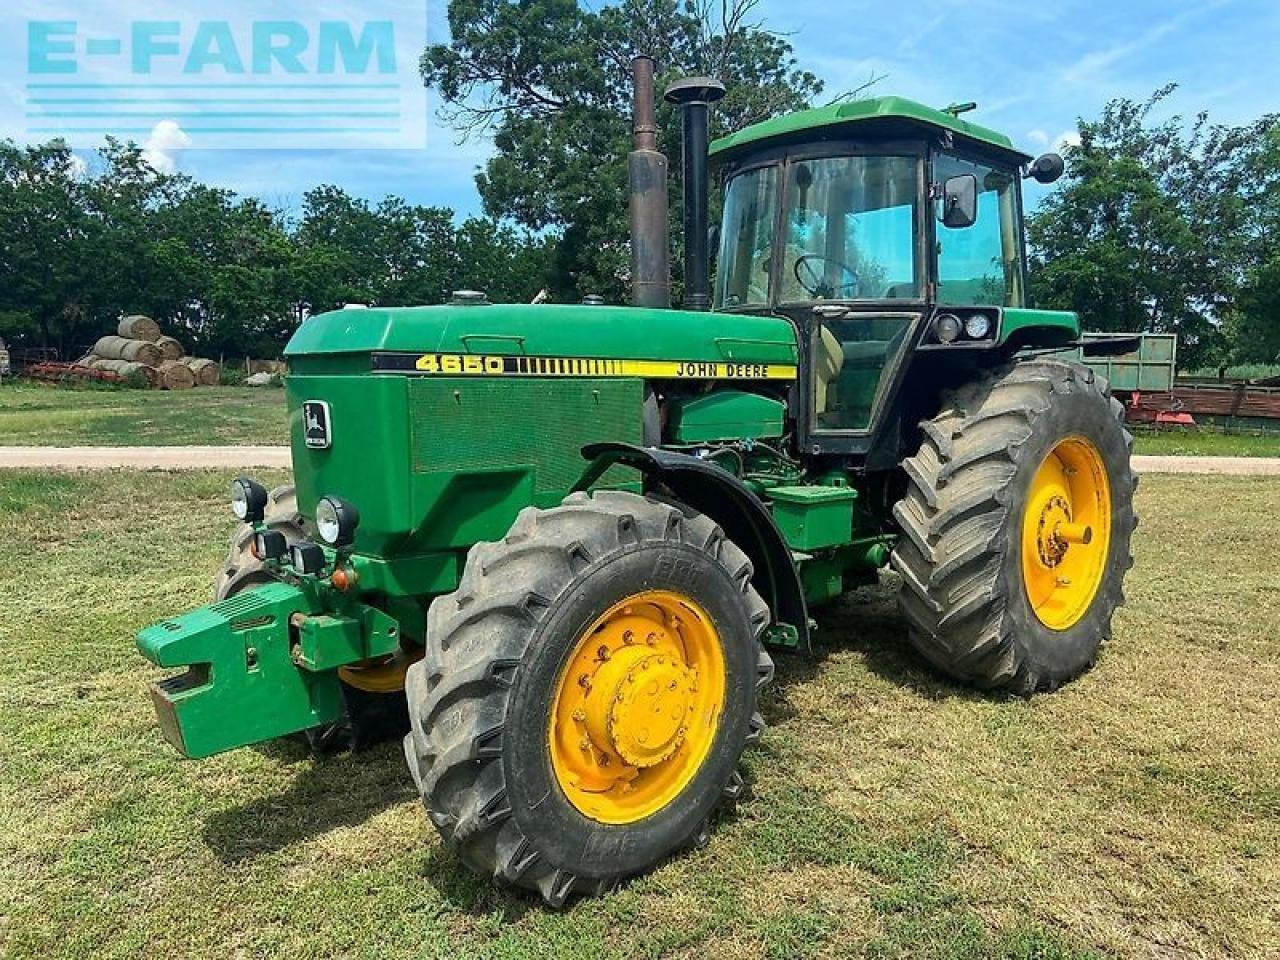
<point>1205,443</point>
<point>893,815</point>
<point>41,415</point>
<point>36,415</point>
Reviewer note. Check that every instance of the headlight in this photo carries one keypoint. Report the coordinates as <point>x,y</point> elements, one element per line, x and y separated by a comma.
<point>336,521</point>
<point>977,326</point>
<point>248,500</point>
<point>306,558</point>
<point>947,327</point>
<point>269,545</point>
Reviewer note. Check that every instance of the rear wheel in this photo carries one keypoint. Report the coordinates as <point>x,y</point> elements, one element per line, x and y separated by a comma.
<point>587,693</point>
<point>1016,527</point>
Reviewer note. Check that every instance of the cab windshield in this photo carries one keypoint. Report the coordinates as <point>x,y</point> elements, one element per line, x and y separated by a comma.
<point>848,232</point>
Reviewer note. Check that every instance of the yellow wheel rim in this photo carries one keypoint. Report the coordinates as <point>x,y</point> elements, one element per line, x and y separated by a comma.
<point>1066,533</point>
<point>637,707</point>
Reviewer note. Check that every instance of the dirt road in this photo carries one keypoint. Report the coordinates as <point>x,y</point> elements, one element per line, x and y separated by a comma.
<point>144,458</point>
<point>246,458</point>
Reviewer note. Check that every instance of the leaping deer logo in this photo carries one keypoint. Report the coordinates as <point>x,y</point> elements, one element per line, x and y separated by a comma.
<point>315,419</point>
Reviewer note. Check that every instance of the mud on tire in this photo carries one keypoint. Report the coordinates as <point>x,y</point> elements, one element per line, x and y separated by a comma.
<point>479,701</point>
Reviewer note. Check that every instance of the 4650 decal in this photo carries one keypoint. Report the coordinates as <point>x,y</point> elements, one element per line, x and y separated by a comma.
<point>483,365</point>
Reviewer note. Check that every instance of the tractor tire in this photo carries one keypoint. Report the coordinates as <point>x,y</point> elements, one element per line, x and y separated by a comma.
<point>493,744</point>
<point>1022,479</point>
<point>241,569</point>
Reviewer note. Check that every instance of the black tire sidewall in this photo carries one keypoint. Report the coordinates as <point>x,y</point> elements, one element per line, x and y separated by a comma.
<point>574,842</point>
<point>1084,413</point>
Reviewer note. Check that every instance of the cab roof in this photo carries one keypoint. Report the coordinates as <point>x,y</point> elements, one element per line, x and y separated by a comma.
<point>822,123</point>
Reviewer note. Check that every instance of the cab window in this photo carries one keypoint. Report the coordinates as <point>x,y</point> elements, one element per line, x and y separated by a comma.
<point>850,229</point>
<point>982,263</point>
<point>852,360</point>
<point>746,247</point>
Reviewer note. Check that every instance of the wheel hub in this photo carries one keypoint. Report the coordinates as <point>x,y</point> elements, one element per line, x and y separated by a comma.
<point>634,718</point>
<point>649,710</point>
<point>1066,533</point>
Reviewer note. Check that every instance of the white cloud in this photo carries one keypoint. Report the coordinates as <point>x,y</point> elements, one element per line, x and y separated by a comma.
<point>1038,137</point>
<point>1067,138</point>
<point>162,146</point>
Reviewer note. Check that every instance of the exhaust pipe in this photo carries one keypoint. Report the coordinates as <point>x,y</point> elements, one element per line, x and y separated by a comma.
<point>694,95</point>
<point>647,179</point>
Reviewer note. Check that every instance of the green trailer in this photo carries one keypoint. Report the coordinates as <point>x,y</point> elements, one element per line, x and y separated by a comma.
<point>554,547</point>
<point>1150,367</point>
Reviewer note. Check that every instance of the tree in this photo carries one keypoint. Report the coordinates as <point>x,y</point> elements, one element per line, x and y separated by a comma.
<point>46,241</point>
<point>1150,229</point>
<point>550,80</point>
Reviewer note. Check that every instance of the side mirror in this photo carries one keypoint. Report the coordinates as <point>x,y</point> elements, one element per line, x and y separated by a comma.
<point>960,201</point>
<point>1047,168</point>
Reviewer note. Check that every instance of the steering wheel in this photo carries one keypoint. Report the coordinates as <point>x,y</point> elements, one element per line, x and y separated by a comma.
<point>816,285</point>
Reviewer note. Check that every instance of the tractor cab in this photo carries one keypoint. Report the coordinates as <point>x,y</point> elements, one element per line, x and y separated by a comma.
<point>878,227</point>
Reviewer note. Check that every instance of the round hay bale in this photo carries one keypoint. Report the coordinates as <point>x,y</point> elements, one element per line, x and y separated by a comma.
<point>176,375</point>
<point>138,327</point>
<point>88,360</point>
<point>135,351</point>
<point>171,348</point>
<point>127,368</point>
<point>208,373</point>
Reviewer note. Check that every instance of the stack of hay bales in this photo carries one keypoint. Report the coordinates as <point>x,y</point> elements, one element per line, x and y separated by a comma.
<point>139,348</point>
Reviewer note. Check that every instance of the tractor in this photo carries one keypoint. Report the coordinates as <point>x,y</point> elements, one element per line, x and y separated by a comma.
<point>553,546</point>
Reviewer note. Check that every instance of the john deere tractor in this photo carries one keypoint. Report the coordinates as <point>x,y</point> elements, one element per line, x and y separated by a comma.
<point>552,545</point>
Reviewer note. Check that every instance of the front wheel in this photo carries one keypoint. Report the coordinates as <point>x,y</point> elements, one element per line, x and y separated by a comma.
<point>1016,527</point>
<point>587,693</point>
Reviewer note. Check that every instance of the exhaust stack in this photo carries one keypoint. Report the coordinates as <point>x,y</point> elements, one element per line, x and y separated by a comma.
<point>694,95</point>
<point>647,179</point>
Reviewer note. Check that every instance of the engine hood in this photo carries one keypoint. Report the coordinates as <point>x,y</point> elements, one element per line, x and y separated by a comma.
<point>599,332</point>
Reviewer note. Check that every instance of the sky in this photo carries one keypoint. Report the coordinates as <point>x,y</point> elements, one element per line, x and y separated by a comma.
<point>1033,68</point>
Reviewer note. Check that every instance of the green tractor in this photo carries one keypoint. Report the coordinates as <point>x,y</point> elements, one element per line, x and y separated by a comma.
<point>552,545</point>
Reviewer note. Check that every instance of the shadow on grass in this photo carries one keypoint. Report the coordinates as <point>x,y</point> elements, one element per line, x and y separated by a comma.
<point>336,791</point>
<point>349,788</point>
<point>468,892</point>
<point>867,622</point>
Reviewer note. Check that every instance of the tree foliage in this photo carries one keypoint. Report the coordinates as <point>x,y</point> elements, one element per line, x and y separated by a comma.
<point>226,274</point>
<point>549,80</point>
<point>1166,226</point>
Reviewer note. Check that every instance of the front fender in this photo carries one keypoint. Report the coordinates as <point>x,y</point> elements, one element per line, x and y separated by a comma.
<point>740,513</point>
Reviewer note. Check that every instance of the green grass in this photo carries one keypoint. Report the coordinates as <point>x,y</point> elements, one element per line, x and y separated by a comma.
<point>39,415</point>
<point>1205,442</point>
<point>894,815</point>
<point>46,415</point>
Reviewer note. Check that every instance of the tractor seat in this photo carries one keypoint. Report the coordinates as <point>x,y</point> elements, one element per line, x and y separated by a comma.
<point>828,361</point>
